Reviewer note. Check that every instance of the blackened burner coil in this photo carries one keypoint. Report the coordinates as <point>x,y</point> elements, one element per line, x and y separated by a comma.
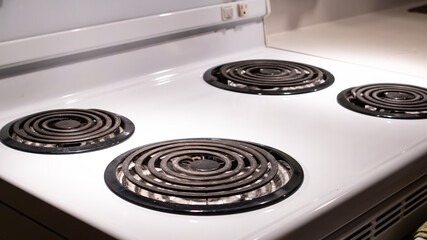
<point>386,100</point>
<point>203,176</point>
<point>67,131</point>
<point>269,77</point>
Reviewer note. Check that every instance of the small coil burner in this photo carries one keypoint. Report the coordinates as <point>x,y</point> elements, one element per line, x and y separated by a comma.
<point>268,77</point>
<point>66,131</point>
<point>203,176</point>
<point>386,100</point>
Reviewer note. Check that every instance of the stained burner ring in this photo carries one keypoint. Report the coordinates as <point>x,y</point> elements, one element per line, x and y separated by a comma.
<point>203,176</point>
<point>386,100</point>
<point>67,131</point>
<point>269,77</point>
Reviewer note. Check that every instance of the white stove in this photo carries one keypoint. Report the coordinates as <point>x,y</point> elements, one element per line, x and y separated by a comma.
<point>364,176</point>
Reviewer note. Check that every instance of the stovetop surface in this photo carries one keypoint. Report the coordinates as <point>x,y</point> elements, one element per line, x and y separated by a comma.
<point>341,151</point>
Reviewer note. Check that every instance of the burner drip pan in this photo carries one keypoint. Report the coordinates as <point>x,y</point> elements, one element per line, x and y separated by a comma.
<point>386,100</point>
<point>67,131</point>
<point>203,176</point>
<point>268,77</point>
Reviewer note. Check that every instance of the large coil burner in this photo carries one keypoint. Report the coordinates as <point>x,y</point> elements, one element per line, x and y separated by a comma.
<point>203,176</point>
<point>268,77</point>
<point>66,131</point>
<point>386,100</point>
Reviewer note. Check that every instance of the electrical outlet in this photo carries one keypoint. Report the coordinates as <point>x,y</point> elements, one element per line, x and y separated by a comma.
<point>242,9</point>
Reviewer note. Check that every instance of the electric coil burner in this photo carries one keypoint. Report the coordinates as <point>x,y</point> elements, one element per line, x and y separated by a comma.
<point>204,176</point>
<point>268,77</point>
<point>66,131</point>
<point>386,100</point>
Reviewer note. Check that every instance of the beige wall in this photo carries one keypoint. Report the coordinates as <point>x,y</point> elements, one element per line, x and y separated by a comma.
<point>291,14</point>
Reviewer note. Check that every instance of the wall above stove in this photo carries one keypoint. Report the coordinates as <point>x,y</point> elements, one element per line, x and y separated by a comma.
<point>391,39</point>
<point>290,14</point>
